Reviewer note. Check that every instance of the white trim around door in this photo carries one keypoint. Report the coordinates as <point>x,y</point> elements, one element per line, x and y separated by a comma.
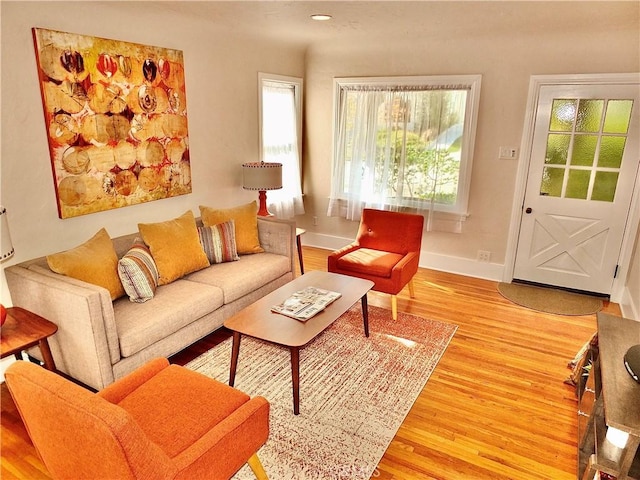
<point>633,222</point>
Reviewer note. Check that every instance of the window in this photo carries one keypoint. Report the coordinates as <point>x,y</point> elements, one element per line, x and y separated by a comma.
<point>280,139</point>
<point>585,145</point>
<point>403,143</point>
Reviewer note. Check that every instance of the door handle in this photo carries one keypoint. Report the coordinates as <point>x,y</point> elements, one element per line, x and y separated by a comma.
<point>529,210</point>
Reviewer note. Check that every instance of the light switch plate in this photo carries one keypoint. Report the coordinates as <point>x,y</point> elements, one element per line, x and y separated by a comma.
<point>508,153</point>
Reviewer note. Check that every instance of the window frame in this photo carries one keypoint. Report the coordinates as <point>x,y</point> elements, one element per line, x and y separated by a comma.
<point>297,84</point>
<point>473,82</point>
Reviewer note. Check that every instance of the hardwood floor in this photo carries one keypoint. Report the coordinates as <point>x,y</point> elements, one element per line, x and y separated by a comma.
<point>494,408</point>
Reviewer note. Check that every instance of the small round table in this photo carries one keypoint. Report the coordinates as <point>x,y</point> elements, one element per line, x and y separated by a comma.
<point>24,329</point>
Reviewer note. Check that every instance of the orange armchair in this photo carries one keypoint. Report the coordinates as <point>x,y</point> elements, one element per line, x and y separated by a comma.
<point>386,251</point>
<point>160,422</point>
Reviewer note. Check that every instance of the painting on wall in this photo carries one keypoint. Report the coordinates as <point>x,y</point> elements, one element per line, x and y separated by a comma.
<point>116,120</point>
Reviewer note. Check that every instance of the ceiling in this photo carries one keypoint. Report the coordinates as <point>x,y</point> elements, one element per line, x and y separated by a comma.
<point>290,21</point>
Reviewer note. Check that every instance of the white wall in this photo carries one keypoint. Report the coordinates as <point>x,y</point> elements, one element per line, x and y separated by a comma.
<point>575,37</point>
<point>221,80</point>
<point>630,304</point>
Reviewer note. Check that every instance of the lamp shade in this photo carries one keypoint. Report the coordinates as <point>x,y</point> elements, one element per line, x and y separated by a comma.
<point>261,176</point>
<point>6,247</point>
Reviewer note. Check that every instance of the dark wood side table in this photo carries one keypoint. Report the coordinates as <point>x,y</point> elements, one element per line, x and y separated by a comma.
<point>613,401</point>
<point>24,329</point>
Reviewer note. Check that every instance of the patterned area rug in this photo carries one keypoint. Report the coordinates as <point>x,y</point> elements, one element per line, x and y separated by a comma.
<point>354,392</point>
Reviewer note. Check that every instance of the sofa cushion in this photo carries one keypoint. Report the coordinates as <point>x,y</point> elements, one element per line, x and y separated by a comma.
<point>95,262</point>
<point>174,306</point>
<point>246,223</point>
<point>237,279</point>
<point>219,242</point>
<point>175,246</point>
<point>138,272</point>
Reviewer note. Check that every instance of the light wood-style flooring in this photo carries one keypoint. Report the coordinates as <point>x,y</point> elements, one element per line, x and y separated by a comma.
<point>494,408</point>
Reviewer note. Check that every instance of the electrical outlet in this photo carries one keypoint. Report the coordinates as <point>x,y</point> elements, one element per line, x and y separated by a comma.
<point>315,221</point>
<point>484,256</point>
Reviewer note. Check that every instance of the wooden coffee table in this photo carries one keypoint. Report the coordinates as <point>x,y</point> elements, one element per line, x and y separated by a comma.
<point>259,322</point>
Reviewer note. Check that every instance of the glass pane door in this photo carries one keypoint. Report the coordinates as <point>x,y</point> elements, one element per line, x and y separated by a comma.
<point>585,145</point>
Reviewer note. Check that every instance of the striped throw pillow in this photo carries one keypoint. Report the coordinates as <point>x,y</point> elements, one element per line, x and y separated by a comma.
<point>138,272</point>
<point>219,242</point>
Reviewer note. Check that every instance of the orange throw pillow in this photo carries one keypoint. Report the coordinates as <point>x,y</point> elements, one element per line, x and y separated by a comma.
<point>95,262</point>
<point>175,247</point>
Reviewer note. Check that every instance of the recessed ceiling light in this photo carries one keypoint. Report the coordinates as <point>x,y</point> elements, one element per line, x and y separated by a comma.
<point>321,16</point>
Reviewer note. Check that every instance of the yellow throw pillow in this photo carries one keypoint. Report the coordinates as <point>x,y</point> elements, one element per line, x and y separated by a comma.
<point>95,262</point>
<point>244,216</point>
<point>175,247</point>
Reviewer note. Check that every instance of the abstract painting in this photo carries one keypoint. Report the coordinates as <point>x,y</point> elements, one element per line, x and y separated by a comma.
<point>116,121</point>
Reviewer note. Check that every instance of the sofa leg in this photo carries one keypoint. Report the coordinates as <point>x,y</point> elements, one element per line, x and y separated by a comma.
<point>394,307</point>
<point>412,292</point>
<point>257,468</point>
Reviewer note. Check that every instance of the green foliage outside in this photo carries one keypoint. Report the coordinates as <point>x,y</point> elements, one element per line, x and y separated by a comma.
<point>429,174</point>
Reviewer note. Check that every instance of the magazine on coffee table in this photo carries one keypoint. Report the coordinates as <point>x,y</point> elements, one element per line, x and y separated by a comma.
<point>305,303</point>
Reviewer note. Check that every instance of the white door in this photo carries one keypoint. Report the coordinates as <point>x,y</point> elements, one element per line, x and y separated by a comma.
<point>584,161</point>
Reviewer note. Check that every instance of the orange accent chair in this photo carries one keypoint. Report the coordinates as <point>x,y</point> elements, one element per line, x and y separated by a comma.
<point>159,422</point>
<point>386,251</point>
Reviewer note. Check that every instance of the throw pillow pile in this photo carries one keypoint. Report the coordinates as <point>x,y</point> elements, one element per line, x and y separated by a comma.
<point>166,252</point>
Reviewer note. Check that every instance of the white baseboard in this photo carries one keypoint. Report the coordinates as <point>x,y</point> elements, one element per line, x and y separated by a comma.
<point>443,263</point>
<point>460,266</point>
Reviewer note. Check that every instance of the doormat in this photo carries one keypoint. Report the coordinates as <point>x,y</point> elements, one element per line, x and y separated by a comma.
<point>354,392</point>
<point>550,300</point>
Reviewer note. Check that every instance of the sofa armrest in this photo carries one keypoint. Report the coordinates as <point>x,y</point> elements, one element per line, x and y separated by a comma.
<point>279,237</point>
<point>86,343</point>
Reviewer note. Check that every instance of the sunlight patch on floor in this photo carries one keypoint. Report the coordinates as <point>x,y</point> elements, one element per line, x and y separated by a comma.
<point>406,342</point>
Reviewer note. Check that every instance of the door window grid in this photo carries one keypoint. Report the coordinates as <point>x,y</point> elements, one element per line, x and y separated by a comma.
<point>581,131</point>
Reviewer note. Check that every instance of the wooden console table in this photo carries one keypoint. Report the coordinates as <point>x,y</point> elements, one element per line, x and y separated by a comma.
<point>24,329</point>
<point>611,399</point>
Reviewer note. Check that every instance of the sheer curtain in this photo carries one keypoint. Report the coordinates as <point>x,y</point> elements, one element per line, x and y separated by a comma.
<point>353,179</point>
<point>280,144</point>
<point>390,145</point>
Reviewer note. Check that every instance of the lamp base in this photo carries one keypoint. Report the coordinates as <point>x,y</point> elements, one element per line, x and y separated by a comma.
<point>262,209</point>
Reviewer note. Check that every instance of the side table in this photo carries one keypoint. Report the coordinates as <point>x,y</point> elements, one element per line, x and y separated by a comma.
<point>24,329</point>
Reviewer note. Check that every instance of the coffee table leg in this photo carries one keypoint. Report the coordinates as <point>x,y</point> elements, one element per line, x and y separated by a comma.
<point>295,377</point>
<point>365,314</point>
<point>235,351</point>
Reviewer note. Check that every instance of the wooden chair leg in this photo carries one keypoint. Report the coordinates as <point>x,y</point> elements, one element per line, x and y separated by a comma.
<point>394,307</point>
<point>257,468</point>
<point>412,292</point>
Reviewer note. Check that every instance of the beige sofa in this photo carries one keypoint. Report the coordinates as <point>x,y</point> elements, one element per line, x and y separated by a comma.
<point>100,340</point>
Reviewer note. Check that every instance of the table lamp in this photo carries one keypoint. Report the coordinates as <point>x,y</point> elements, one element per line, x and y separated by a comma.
<point>6,250</point>
<point>262,176</point>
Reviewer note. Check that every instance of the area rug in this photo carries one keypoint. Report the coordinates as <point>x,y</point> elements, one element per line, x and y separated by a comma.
<point>550,300</point>
<point>354,392</point>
